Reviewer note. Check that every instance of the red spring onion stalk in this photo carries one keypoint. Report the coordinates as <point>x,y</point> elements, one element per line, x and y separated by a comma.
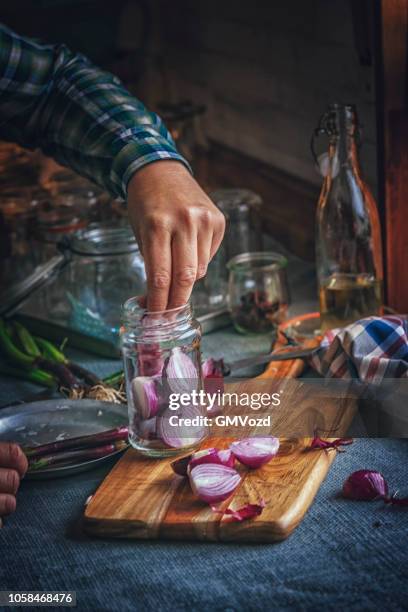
<point>319,443</point>
<point>369,485</point>
<point>213,483</point>
<point>179,372</point>
<point>182,428</point>
<point>145,395</point>
<point>98,439</point>
<point>242,514</point>
<point>74,456</point>
<point>256,451</point>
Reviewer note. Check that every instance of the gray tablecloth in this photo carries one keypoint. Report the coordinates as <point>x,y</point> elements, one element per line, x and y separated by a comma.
<point>344,555</point>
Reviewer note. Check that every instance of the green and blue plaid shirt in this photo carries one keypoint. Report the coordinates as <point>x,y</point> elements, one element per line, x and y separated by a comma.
<point>82,116</point>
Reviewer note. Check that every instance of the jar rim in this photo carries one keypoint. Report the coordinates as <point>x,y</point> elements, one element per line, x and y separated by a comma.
<point>99,239</point>
<point>135,314</point>
<point>271,259</point>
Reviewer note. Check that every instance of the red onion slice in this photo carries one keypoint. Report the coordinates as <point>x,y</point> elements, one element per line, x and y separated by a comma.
<point>145,396</point>
<point>179,372</point>
<point>149,359</point>
<point>213,483</point>
<point>242,514</point>
<point>175,432</point>
<point>256,451</point>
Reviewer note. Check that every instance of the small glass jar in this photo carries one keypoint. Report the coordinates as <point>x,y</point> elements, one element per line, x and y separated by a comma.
<point>162,363</point>
<point>258,291</point>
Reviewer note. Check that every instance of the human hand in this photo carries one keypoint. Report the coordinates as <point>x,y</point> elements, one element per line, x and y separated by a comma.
<point>177,227</point>
<point>13,466</point>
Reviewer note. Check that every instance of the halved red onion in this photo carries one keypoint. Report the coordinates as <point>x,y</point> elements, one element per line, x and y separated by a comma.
<point>179,372</point>
<point>213,483</point>
<point>212,455</point>
<point>256,451</point>
<point>175,432</point>
<point>369,485</point>
<point>145,396</point>
<point>207,455</point>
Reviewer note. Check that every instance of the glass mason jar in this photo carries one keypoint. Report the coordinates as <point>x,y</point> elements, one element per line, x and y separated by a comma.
<point>162,363</point>
<point>106,269</point>
<point>258,291</point>
<point>348,235</point>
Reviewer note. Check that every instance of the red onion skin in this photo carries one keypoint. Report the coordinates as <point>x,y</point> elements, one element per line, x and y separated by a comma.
<point>365,485</point>
<point>246,453</point>
<point>242,514</point>
<point>229,479</point>
<point>319,443</point>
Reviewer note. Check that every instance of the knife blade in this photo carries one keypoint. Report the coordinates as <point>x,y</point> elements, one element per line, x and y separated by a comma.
<point>240,364</point>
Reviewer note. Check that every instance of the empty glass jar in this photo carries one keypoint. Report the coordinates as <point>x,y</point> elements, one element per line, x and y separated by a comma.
<point>106,269</point>
<point>161,354</point>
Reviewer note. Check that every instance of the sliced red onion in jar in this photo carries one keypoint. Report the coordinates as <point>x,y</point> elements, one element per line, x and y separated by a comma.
<point>213,483</point>
<point>256,451</point>
<point>179,372</point>
<point>173,428</point>
<point>145,396</point>
<point>149,360</point>
<point>213,375</point>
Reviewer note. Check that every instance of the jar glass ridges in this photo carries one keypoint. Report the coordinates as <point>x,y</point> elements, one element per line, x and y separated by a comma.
<point>258,291</point>
<point>161,353</point>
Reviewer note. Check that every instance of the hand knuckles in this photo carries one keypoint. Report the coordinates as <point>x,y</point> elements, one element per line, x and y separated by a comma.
<point>186,276</point>
<point>156,222</point>
<point>161,279</point>
<point>201,270</point>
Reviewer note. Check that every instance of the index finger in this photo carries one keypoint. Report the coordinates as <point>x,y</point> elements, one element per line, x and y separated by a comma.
<point>11,456</point>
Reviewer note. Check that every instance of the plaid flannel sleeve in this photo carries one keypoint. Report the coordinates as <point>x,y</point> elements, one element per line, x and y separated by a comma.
<point>82,116</point>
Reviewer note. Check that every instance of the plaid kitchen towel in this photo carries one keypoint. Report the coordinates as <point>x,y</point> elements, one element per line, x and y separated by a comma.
<point>370,349</point>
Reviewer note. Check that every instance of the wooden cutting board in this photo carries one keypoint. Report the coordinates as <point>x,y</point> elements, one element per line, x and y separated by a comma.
<point>143,499</point>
